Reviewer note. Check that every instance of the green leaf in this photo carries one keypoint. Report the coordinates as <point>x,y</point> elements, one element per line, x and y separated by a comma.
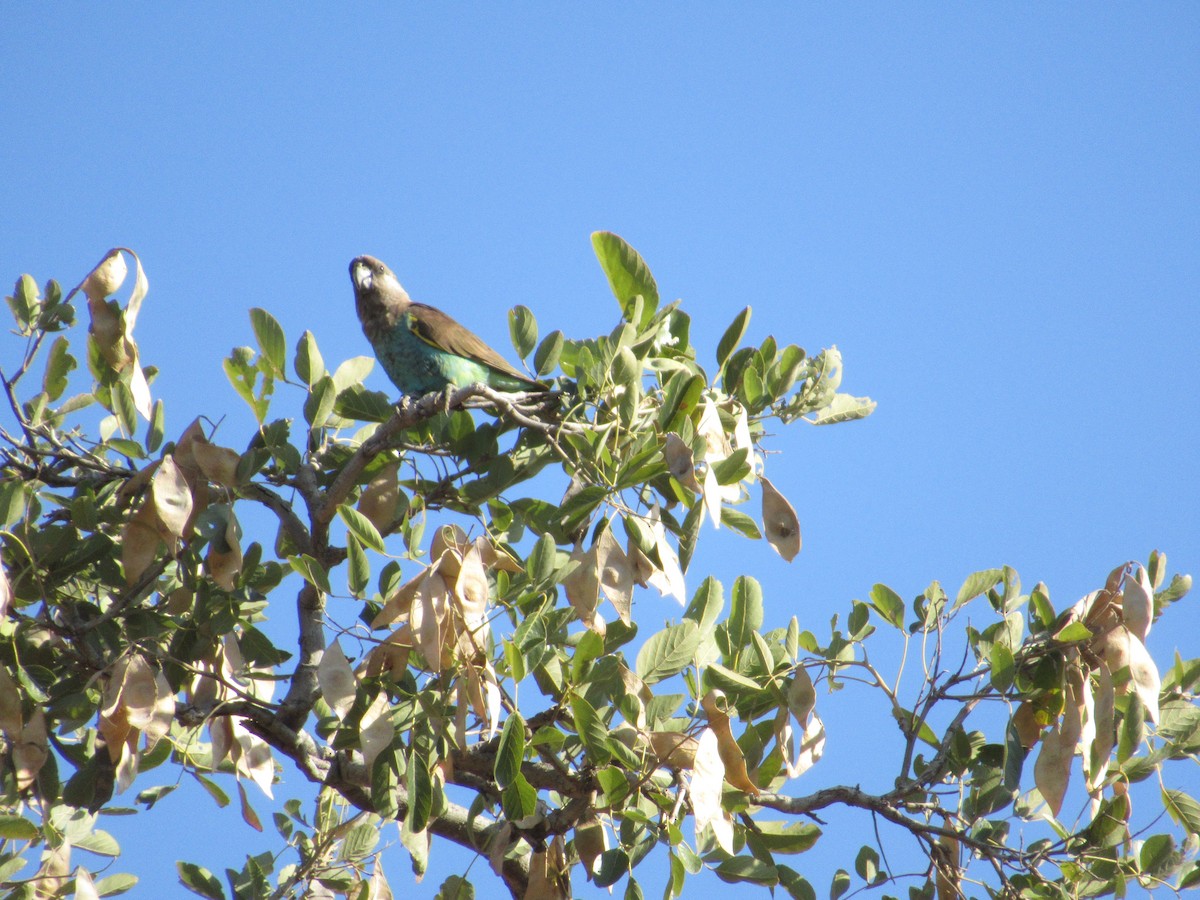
<point>787,837</point>
<point>124,407</point>
<point>199,880</point>
<point>510,751</point>
<point>271,342</point>
<point>522,328</point>
<point>156,428</point>
<point>59,364</point>
<point>357,403</point>
<point>214,790</point>
<point>1158,857</point>
<point>322,398</point>
<point>519,799</point>
<point>1003,666</point>
<point>707,603</point>
<point>312,572</point>
<point>888,604</point>
<point>1183,809</point>
<point>739,522</point>
<point>361,527</point>
<point>24,302</point>
<point>543,560</point>
<point>17,828</point>
<point>99,842</point>
<point>745,611</point>
<point>308,363</point>
<point>840,884</point>
<point>592,730</point>
<point>628,275</point>
<point>358,574</point>
<point>866,864</point>
<point>420,793</point>
<point>976,584</point>
<point>12,502</point>
<point>116,884</point>
<point>747,868</point>
<point>1072,632</point>
<point>844,408</point>
<point>548,353</point>
<point>361,840</point>
<point>668,652</point>
<point>455,887</point>
<point>732,337</point>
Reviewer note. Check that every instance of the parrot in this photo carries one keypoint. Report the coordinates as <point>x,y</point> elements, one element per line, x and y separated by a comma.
<point>422,349</point>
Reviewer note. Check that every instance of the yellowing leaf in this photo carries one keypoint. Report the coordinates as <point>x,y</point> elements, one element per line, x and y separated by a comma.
<point>336,679</point>
<point>780,523</point>
<point>1025,721</point>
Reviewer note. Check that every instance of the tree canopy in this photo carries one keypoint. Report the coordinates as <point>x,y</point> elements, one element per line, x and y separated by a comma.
<point>462,571</point>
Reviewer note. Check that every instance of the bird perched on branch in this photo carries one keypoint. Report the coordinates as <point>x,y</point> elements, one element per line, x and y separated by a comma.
<point>421,348</point>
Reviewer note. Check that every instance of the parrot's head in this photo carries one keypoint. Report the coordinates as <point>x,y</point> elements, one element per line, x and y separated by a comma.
<point>371,276</point>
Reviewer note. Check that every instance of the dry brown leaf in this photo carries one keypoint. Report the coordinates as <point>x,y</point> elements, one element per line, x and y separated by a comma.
<point>483,690</point>
<point>30,750</point>
<point>949,873</point>
<point>1029,729</point>
<point>781,526</point>
<point>379,888</point>
<point>731,754</point>
<point>399,604</point>
<point>5,593</point>
<point>254,758</point>
<point>708,774</point>
<point>591,840</point>
<point>381,497</point>
<point>51,876</point>
<point>172,499</point>
<point>127,764</point>
<point>1137,604</point>
<point>140,543</point>
<point>680,462</point>
<point>801,701</point>
<point>428,616</point>
<point>615,573</point>
<point>163,714</point>
<point>471,592</point>
<point>497,558</point>
<point>376,731</point>
<point>10,706</point>
<point>1052,770</point>
<point>224,559</point>
<point>85,888</point>
<point>392,655</point>
<point>675,749</point>
<point>219,464</point>
<point>498,847</point>
<point>1121,648</point>
<point>106,278</point>
<point>139,693</point>
<point>1097,751</point>
<point>582,586</point>
<point>336,679</point>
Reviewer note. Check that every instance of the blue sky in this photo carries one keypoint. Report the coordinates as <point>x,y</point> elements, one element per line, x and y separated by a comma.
<point>992,210</point>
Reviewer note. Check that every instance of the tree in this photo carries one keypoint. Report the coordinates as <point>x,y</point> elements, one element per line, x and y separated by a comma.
<point>131,602</point>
